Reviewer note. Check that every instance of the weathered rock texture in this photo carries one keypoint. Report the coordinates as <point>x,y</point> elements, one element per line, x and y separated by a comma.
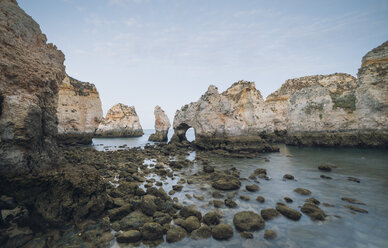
<point>162,124</point>
<point>224,121</point>
<point>32,168</point>
<point>324,110</point>
<point>30,71</point>
<point>79,111</point>
<point>120,121</point>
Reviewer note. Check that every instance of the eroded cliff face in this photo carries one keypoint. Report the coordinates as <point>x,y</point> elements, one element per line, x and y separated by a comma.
<point>162,124</point>
<point>372,91</point>
<point>79,111</point>
<point>33,170</point>
<point>224,121</point>
<point>120,121</point>
<point>324,110</point>
<point>30,71</point>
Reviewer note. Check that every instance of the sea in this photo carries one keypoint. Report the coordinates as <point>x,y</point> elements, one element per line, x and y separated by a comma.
<point>341,228</point>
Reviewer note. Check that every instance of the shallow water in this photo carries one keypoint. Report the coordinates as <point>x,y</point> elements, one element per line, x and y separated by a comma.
<point>340,229</point>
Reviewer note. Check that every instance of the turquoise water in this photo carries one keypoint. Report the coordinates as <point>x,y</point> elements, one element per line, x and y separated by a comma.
<point>341,227</point>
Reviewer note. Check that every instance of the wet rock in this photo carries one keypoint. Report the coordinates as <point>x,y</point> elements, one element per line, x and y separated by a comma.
<point>162,218</point>
<point>134,220</point>
<point>208,169</point>
<point>230,203</point>
<point>313,201</point>
<point>269,213</point>
<point>131,236</point>
<point>313,211</point>
<point>218,203</point>
<point>148,205</point>
<point>119,213</point>
<point>260,171</point>
<point>204,232</point>
<point>324,167</point>
<point>288,177</point>
<point>231,195</point>
<point>248,221</point>
<point>198,197</point>
<point>212,218</point>
<point>260,199</point>
<point>222,232</point>
<point>152,231</point>
<point>245,198</point>
<point>246,235</point>
<point>302,191</point>
<point>217,194</point>
<point>252,188</point>
<point>352,200</point>
<point>354,179</point>
<point>18,241</point>
<point>190,210</point>
<point>177,187</point>
<point>190,224</point>
<point>356,209</point>
<point>325,177</point>
<point>226,182</point>
<point>171,192</point>
<point>270,234</point>
<point>175,234</point>
<point>106,238</point>
<point>288,199</point>
<point>288,212</point>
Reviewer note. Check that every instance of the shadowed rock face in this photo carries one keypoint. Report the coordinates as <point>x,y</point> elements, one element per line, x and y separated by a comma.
<point>162,124</point>
<point>324,110</point>
<point>79,111</point>
<point>30,71</point>
<point>120,121</point>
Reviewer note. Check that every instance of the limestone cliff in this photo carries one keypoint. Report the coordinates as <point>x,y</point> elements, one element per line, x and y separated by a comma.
<point>32,168</point>
<point>120,121</point>
<point>324,110</point>
<point>162,124</point>
<point>30,72</point>
<point>224,121</point>
<point>79,111</point>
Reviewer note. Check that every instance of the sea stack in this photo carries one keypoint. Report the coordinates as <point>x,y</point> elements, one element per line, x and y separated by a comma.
<point>162,124</point>
<point>120,121</point>
<point>79,111</point>
<point>226,121</point>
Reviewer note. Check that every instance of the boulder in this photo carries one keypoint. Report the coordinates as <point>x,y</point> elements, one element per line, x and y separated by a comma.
<point>269,213</point>
<point>248,221</point>
<point>152,231</point>
<point>131,236</point>
<point>313,211</point>
<point>288,212</point>
<point>302,191</point>
<point>175,234</point>
<point>222,232</point>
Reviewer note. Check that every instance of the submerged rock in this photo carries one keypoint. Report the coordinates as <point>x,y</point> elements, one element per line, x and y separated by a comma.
<point>313,211</point>
<point>324,167</point>
<point>288,212</point>
<point>270,234</point>
<point>162,124</point>
<point>352,200</point>
<point>248,221</point>
<point>120,121</point>
<point>302,191</point>
<point>356,209</point>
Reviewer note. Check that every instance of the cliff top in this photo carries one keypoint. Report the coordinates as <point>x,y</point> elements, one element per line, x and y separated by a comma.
<point>376,55</point>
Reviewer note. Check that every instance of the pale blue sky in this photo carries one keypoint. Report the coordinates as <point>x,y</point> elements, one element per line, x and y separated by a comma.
<point>158,52</point>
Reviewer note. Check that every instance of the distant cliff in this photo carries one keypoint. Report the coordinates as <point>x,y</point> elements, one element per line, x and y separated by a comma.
<point>79,111</point>
<point>323,110</point>
<point>120,121</point>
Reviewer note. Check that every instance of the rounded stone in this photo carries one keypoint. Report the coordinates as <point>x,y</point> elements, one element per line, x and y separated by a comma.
<point>191,223</point>
<point>302,191</point>
<point>175,234</point>
<point>260,199</point>
<point>252,188</point>
<point>269,213</point>
<point>248,221</point>
<point>131,236</point>
<point>152,231</point>
<point>212,218</point>
<point>270,234</point>
<point>222,231</point>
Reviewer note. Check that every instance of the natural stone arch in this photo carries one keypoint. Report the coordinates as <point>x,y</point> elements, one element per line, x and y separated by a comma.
<point>180,132</point>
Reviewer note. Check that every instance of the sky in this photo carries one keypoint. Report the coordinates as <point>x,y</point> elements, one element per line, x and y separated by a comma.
<point>167,52</point>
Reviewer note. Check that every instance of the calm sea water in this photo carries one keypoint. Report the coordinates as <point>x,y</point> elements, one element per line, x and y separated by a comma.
<point>341,228</point>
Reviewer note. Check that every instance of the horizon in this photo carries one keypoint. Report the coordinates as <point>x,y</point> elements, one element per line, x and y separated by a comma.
<point>146,53</point>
